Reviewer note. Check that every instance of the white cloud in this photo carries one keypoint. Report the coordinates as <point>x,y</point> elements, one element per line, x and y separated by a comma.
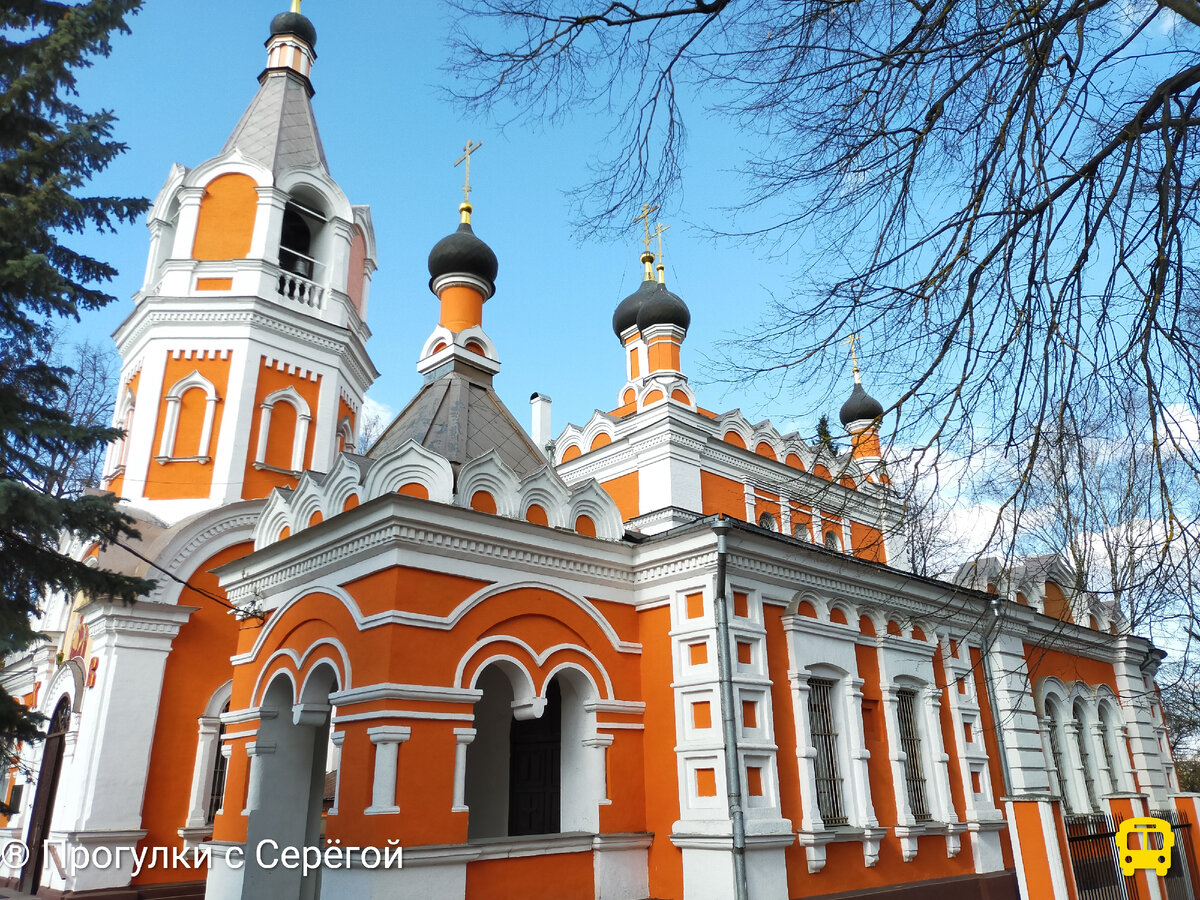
<point>373,408</point>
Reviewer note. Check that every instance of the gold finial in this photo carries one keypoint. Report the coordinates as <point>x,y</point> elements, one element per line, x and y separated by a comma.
<point>662,267</point>
<point>295,6</point>
<point>852,340</point>
<point>466,158</point>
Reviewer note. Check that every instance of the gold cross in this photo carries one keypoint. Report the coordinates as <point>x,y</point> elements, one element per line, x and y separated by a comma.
<point>852,340</point>
<point>295,6</point>
<point>466,157</point>
<point>658,233</point>
<point>644,218</point>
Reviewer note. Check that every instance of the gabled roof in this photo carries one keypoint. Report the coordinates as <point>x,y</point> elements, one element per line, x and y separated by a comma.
<point>278,129</point>
<point>461,419</point>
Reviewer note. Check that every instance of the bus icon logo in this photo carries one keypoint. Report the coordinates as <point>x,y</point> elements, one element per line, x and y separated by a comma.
<point>1148,857</point>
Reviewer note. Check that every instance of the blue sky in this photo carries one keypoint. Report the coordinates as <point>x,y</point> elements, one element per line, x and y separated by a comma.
<point>181,79</point>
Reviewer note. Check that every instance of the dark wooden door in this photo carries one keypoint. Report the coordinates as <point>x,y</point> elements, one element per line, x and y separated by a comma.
<point>535,771</point>
<point>43,800</point>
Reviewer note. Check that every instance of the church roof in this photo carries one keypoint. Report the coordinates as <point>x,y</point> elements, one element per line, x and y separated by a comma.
<point>461,419</point>
<point>278,129</point>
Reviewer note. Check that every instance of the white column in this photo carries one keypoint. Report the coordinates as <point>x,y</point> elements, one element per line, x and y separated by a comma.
<point>859,757</point>
<point>131,643</point>
<point>189,219</point>
<point>268,224</point>
<point>463,738</point>
<point>387,740</point>
<point>207,748</point>
<point>256,750</point>
<point>336,738</point>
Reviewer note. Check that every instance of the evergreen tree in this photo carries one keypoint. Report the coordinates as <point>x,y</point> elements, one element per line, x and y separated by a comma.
<point>825,436</point>
<point>49,150</point>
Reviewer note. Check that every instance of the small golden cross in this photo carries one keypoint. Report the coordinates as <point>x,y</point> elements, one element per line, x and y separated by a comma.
<point>466,157</point>
<point>658,233</point>
<point>852,340</point>
<point>295,6</point>
<point>644,218</point>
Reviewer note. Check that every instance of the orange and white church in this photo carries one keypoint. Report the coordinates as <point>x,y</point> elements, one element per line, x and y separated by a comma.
<point>668,654</point>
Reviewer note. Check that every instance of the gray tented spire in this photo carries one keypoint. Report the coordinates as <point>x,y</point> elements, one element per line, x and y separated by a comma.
<point>278,129</point>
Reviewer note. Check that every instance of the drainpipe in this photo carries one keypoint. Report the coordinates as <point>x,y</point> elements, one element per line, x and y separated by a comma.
<point>733,766</point>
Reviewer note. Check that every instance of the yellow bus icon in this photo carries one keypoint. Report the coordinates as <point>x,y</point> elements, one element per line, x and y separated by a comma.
<point>1148,857</point>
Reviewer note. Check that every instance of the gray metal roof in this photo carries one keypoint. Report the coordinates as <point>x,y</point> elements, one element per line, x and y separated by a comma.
<point>461,419</point>
<point>278,129</point>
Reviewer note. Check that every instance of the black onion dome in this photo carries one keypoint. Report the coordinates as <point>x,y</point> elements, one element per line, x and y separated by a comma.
<point>294,23</point>
<point>663,308</point>
<point>626,315</point>
<point>461,253</point>
<point>861,405</point>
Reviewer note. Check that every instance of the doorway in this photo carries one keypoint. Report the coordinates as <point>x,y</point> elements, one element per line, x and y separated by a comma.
<point>43,800</point>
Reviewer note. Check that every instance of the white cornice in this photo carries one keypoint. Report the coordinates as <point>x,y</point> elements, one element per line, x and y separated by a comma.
<point>394,520</point>
<point>246,315</point>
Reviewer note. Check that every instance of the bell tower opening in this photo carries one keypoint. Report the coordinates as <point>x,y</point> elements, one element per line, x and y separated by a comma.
<point>295,244</point>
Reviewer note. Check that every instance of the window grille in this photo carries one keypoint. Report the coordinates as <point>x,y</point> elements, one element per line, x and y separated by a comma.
<point>1110,765</point>
<point>824,738</point>
<point>1056,754</point>
<point>1085,758</point>
<point>910,743</point>
<point>216,793</point>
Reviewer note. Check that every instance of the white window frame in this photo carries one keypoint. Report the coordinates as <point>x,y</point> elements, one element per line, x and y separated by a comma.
<point>1054,708</point>
<point>123,419</point>
<point>822,649</point>
<point>1110,736</point>
<point>907,664</point>
<point>1079,728</point>
<point>208,745</point>
<point>174,400</point>
<point>299,438</point>
<point>346,432</point>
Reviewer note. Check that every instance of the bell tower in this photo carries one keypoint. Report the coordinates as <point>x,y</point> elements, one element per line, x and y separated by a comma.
<point>244,360</point>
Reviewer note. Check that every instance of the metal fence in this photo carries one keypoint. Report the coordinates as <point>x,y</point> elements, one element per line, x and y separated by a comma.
<point>1178,880</point>
<point>1092,844</point>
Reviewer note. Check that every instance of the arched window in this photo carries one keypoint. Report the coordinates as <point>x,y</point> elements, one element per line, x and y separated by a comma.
<point>216,791</point>
<point>345,434</point>
<point>60,721</point>
<point>303,235</point>
<point>824,733</point>
<point>1085,757</point>
<point>908,724</point>
<point>209,770</point>
<point>122,419</point>
<point>295,243</point>
<point>1053,724</point>
<point>283,433</point>
<point>832,541</point>
<point>191,410</point>
<point>767,521</point>
<point>1109,741</point>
